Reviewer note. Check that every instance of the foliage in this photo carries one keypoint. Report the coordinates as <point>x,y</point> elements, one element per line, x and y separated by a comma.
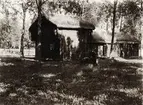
<point>64,6</point>
<point>131,12</point>
<point>6,27</point>
<point>73,7</point>
<point>5,40</point>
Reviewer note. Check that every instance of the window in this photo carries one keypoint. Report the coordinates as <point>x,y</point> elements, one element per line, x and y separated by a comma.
<point>51,46</point>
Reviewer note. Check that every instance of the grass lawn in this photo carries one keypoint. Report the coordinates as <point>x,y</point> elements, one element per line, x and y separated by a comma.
<point>23,82</point>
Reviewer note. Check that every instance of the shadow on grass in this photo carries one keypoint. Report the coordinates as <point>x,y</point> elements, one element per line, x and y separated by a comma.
<point>21,83</point>
<point>24,82</point>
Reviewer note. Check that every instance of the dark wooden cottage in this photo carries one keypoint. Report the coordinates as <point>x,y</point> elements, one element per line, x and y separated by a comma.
<point>128,45</point>
<point>63,36</point>
<point>125,45</point>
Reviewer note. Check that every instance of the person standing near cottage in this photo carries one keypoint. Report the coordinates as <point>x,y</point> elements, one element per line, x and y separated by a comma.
<point>69,48</point>
<point>62,47</point>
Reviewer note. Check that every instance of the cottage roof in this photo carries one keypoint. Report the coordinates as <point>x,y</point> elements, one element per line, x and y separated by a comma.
<point>102,36</point>
<point>126,38</point>
<point>69,22</point>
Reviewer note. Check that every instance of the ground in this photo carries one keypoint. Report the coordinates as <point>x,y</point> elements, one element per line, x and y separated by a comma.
<point>111,82</point>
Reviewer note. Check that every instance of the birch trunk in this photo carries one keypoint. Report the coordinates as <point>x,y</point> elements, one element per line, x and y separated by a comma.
<point>23,33</point>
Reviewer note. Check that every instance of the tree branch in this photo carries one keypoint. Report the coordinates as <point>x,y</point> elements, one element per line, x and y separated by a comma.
<point>37,2</point>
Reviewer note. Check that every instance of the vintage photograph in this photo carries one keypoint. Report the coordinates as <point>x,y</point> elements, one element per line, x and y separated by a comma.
<point>71,52</point>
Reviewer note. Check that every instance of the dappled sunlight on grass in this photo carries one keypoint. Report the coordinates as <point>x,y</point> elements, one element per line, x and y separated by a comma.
<point>60,83</point>
<point>3,87</point>
<point>48,75</point>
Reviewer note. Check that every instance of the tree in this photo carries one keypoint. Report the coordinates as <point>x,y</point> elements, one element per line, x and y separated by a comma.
<point>24,9</point>
<point>113,27</point>
<point>107,13</point>
<point>131,12</point>
<point>73,7</point>
<point>26,4</point>
<point>15,11</point>
<point>90,12</point>
<point>6,28</point>
<point>5,40</point>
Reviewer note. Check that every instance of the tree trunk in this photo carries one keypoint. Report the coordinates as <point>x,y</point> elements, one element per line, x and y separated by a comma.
<point>107,24</point>
<point>113,28</point>
<point>121,22</point>
<point>141,49</point>
<point>38,44</point>
<point>141,4</point>
<point>22,36</point>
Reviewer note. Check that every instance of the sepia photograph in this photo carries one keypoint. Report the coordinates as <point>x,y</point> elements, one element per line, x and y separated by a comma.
<point>71,52</point>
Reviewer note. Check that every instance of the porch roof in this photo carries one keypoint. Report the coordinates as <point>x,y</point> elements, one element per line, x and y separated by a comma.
<point>102,36</point>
